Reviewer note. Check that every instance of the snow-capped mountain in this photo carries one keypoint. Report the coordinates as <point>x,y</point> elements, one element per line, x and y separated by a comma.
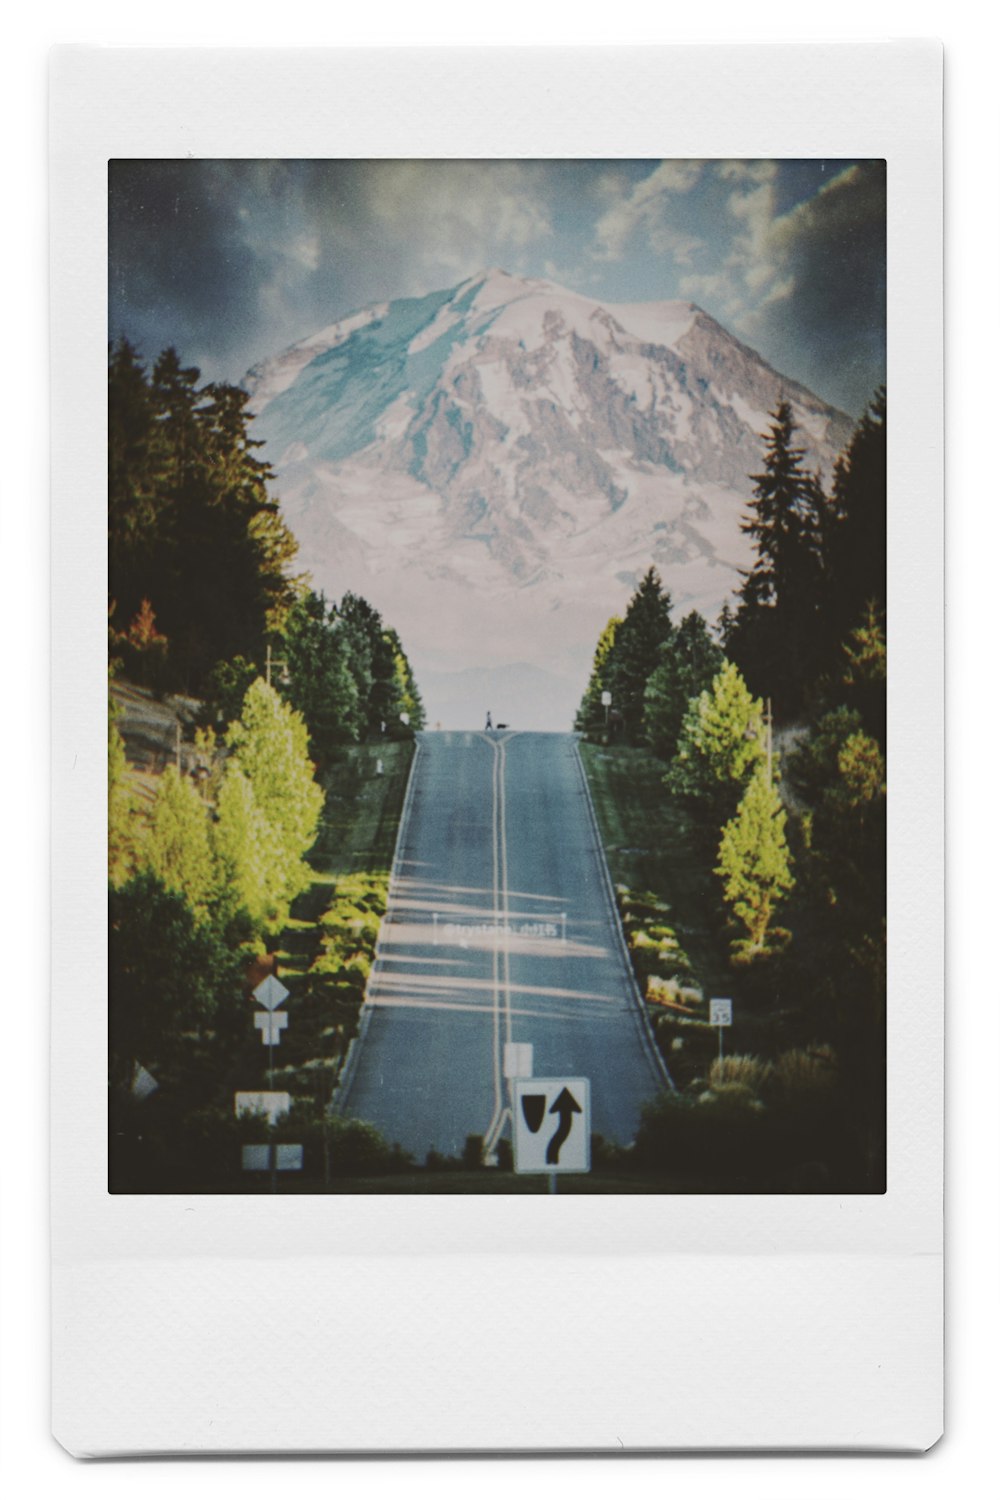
<point>495,466</point>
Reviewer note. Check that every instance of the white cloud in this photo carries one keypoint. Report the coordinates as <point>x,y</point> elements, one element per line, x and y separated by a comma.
<point>645,207</point>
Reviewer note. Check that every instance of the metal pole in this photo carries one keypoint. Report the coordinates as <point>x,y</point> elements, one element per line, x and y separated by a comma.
<point>177,742</point>
<point>770,722</point>
<point>267,669</point>
<point>720,1054</point>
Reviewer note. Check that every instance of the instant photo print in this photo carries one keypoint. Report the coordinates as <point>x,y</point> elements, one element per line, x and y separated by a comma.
<point>497,668</point>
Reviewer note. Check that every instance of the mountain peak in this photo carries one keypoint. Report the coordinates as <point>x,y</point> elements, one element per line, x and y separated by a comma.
<point>496,464</point>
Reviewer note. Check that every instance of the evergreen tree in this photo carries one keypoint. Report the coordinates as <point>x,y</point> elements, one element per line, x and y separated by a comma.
<point>755,867</point>
<point>321,686</point>
<point>864,671</point>
<point>178,848</point>
<point>193,530</point>
<point>688,664</point>
<point>645,630</point>
<point>775,637</point>
<point>856,546</point>
<point>592,716</point>
<point>721,745</point>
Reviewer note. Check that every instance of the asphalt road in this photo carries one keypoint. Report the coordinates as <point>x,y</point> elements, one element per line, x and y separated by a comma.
<point>500,928</point>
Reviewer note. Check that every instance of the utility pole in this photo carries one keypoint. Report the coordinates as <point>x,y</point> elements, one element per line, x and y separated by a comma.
<point>272,661</point>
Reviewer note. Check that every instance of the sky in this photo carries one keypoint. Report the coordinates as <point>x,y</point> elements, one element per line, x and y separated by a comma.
<point>233,261</point>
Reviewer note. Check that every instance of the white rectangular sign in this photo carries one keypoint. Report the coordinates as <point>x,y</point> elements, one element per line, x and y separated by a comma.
<point>518,1059</point>
<point>720,1013</point>
<point>552,1125</point>
<point>274,1105</point>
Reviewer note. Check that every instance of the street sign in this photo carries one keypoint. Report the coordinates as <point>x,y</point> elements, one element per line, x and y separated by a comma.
<point>143,1082</point>
<point>552,1125</point>
<point>517,1059</point>
<point>605,699</point>
<point>271,1104</point>
<point>270,993</point>
<point>720,1013</point>
<point>270,1024</point>
<point>286,1158</point>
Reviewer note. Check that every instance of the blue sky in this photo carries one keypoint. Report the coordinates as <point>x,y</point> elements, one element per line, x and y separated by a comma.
<point>232,261</point>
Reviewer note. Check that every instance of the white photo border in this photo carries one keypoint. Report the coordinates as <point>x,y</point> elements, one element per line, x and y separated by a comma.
<point>409,1323</point>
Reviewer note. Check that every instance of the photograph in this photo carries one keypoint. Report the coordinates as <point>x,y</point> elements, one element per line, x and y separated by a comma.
<point>497,676</point>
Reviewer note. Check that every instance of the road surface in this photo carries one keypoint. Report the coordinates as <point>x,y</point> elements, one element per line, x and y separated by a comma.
<point>500,928</point>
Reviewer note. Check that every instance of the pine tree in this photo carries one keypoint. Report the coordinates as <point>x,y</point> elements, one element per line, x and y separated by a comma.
<point>688,664</point>
<point>774,640</point>
<point>721,745</point>
<point>755,867</point>
<point>592,716</point>
<point>635,654</point>
<point>864,670</point>
<point>857,539</point>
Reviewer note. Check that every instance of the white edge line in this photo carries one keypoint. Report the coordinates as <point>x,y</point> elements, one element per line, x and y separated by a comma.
<point>638,1004</point>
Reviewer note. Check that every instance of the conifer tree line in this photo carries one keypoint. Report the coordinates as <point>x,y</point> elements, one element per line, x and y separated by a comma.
<point>203,601</point>
<point>200,568</point>
<point>772,732</point>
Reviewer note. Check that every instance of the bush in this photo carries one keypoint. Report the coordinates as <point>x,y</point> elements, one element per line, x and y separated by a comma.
<point>750,1072</point>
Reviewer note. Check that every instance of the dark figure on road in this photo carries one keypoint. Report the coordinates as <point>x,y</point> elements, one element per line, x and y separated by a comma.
<point>489,719</point>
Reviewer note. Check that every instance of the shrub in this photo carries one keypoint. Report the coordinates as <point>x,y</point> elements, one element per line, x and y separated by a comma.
<point>751,1072</point>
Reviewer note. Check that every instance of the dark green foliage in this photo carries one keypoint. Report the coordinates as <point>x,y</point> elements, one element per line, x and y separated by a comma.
<point>688,662</point>
<point>170,976</point>
<point>639,640</point>
<point>628,653</point>
<point>322,683</point>
<point>775,638</point>
<point>801,1142</point>
<point>856,540</point>
<point>194,536</point>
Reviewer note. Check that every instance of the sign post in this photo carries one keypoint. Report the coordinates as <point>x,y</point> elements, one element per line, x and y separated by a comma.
<point>271,1022</point>
<point>720,1014</point>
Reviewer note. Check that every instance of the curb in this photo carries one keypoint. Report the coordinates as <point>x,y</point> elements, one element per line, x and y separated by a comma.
<point>640,1013</point>
<point>338,1099</point>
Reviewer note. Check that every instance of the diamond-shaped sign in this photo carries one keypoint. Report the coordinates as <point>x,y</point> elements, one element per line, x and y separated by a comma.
<point>270,993</point>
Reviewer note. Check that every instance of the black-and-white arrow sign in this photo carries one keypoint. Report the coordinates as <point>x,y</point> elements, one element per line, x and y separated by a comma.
<point>551,1124</point>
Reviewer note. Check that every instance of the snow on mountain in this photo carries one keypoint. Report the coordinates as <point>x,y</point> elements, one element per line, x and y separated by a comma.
<point>495,465</point>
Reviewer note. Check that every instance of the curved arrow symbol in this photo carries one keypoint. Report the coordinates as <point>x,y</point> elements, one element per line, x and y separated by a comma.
<point>565,1107</point>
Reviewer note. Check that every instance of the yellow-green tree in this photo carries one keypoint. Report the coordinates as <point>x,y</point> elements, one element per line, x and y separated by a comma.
<point>722,743</point>
<point>269,805</point>
<point>755,867</point>
<point>178,846</point>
